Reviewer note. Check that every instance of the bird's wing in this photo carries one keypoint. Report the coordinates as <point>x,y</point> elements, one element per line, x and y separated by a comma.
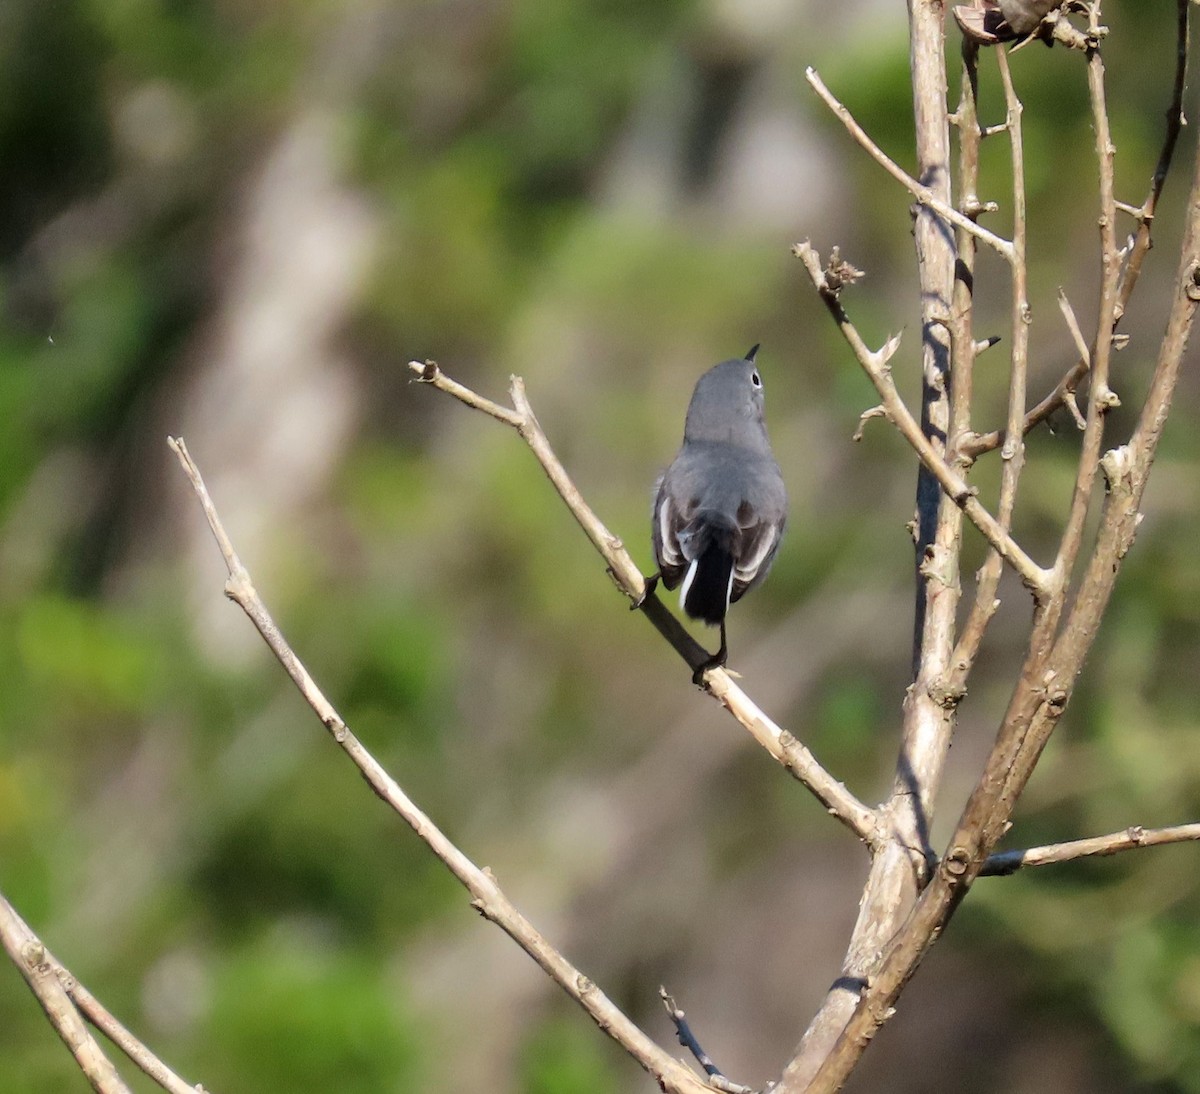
<point>666,526</point>
<point>754,552</point>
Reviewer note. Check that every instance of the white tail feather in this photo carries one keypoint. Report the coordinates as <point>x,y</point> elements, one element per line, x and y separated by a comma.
<point>687,584</point>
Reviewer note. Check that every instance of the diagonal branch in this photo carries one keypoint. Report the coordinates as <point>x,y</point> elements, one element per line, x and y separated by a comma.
<point>91,1008</point>
<point>924,194</point>
<point>783,746</point>
<point>1100,398</point>
<point>1013,453</point>
<point>683,1031</point>
<point>29,956</point>
<point>486,896</point>
<point>875,363</point>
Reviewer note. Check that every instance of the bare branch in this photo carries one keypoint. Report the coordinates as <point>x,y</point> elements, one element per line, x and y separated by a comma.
<point>1068,313</point>
<point>785,748</point>
<point>1099,396</point>
<point>1129,839</point>
<point>877,411</point>
<point>793,755</point>
<point>1064,390</point>
<point>875,364</point>
<point>898,868</point>
<point>1044,687</point>
<point>429,373</point>
<point>486,895</point>
<point>104,1020</point>
<point>1175,122</point>
<point>964,349</point>
<point>29,956</point>
<point>716,1078</point>
<point>924,194</point>
<point>1013,452</point>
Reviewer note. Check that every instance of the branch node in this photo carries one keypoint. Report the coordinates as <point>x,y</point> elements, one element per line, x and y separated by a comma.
<point>956,862</point>
<point>1072,405</point>
<point>1192,284</point>
<point>1056,699</point>
<point>33,953</point>
<point>888,350</point>
<point>974,208</point>
<point>878,411</point>
<point>1116,464</point>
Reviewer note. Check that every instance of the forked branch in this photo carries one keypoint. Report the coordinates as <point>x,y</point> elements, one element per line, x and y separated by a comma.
<point>1063,393</point>
<point>783,746</point>
<point>35,959</point>
<point>875,363</point>
<point>486,896</point>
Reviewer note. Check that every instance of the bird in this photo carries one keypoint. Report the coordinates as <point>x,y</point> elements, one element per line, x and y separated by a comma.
<point>992,21</point>
<point>720,508</point>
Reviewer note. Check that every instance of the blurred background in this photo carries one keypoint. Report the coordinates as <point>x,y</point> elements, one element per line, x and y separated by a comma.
<point>237,221</point>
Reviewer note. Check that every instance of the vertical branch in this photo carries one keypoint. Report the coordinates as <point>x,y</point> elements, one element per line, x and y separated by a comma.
<point>899,864</point>
<point>961,325</point>
<point>1100,397</point>
<point>962,341</point>
<point>929,723</point>
<point>1012,452</point>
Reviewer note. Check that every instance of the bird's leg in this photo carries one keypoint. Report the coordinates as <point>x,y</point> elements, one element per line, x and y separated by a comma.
<point>715,661</point>
<point>647,592</point>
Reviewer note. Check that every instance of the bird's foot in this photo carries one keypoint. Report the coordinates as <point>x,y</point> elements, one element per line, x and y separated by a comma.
<point>716,661</point>
<point>647,591</point>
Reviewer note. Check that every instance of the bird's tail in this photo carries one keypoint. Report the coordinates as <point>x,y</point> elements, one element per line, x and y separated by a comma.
<point>708,541</point>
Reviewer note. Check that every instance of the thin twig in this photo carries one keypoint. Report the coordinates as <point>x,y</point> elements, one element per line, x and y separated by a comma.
<point>875,363</point>
<point>784,747</point>
<point>108,1024</point>
<point>1175,122</point>
<point>924,194</point>
<point>29,956</point>
<point>1003,863</point>
<point>486,895</point>
<point>716,1077</point>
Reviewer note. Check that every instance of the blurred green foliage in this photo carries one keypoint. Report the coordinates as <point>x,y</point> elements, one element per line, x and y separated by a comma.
<point>548,187</point>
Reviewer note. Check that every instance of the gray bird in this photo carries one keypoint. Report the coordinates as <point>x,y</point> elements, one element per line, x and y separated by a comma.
<point>721,506</point>
<point>992,21</point>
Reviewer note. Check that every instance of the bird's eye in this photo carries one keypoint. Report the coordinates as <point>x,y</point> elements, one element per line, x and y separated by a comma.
<point>755,379</point>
